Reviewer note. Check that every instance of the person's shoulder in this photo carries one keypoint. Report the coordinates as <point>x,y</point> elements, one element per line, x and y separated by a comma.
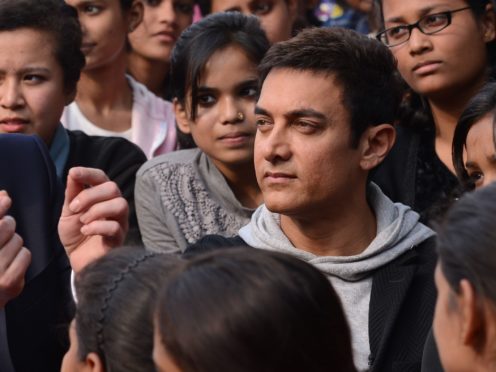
<point>171,162</point>
<point>212,243</point>
<point>426,250</point>
<point>80,141</point>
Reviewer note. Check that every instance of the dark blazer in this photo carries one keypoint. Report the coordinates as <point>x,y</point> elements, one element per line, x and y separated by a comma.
<point>36,320</point>
<point>401,304</point>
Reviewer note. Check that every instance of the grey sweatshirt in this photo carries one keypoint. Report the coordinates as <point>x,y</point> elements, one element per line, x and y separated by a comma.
<point>398,230</point>
<point>182,196</point>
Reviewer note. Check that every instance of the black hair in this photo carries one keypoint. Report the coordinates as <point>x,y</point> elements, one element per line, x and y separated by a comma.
<point>245,309</point>
<point>55,18</point>
<point>126,4</point>
<point>414,110</point>
<point>466,245</point>
<point>114,315</point>
<point>201,40</point>
<point>365,69</point>
<point>482,104</point>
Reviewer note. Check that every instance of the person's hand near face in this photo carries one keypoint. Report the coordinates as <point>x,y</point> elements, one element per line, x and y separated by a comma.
<point>14,258</point>
<point>94,216</point>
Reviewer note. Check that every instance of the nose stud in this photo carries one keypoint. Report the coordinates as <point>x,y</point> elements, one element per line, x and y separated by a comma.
<point>240,116</point>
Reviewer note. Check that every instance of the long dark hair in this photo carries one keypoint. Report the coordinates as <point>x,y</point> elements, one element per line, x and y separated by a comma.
<point>114,315</point>
<point>415,111</point>
<point>482,104</point>
<point>467,245</point>
<point>250,310</point>
<point>200,41</point>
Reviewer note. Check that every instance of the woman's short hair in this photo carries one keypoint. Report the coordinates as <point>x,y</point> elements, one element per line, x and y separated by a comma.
<point>114,315</point>
<point>58,20</point>
<point>244,309</point>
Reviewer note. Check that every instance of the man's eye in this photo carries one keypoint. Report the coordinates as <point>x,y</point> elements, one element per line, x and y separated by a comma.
<point>262,124</point>
<point>261,8</point>
<point>153,2</point>
<point>34,78</point>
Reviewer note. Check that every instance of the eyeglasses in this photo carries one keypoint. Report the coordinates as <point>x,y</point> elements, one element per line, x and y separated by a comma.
<point>428,25</point>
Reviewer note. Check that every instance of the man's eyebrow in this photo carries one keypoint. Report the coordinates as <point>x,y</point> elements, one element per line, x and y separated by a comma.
<point>261,111</point>
<point>306,112</point>
<point>30,70</point>
<point>38,70</point>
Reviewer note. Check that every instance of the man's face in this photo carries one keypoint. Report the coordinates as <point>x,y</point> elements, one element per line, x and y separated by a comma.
<point>303,156</point>
<point>32,94</point>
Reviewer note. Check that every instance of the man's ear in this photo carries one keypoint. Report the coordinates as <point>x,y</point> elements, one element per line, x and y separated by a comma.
<point>375,144</point>
<point>93,363</point>
<point>182,119</point>
<point>135,15</point>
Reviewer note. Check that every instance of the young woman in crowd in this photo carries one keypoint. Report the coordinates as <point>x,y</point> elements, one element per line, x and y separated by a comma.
<point>474,143</point>
<point>465,316</point>
<point>113,326</point>
<point>212,189</point>
<point>109,102</point>
<point>445,52</point>
<point>277,17</point>
<point>152,42</point>
<point>244,309</point>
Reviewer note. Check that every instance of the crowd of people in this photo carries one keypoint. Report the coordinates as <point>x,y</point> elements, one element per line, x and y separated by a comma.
<point>247,185</point>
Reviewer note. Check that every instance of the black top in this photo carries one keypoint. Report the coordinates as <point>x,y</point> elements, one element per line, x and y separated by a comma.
<point>118,158</point>
<point>401,303</point>
<point>414,175</point>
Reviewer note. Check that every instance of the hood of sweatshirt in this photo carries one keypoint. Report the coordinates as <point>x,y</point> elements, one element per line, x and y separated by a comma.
<point>398,230</point>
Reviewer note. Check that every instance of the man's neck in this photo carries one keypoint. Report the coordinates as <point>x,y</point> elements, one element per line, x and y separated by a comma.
<point>347,230</point>
<point>151,73</point>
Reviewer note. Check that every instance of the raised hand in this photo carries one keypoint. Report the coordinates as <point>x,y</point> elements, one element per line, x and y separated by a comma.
<point>94,216</point>
<point>14,258</point>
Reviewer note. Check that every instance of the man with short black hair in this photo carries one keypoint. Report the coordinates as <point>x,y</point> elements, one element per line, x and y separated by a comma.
<point>324,116</point>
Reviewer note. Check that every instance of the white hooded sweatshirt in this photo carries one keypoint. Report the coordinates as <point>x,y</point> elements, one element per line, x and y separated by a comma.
<point>398,230</point>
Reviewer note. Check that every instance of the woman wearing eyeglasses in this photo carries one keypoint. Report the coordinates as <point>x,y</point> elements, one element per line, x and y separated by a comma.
<point>445,50</point>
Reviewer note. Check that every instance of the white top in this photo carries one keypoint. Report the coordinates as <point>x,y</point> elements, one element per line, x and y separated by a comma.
<point>75,120</point>
<point>153,125</point>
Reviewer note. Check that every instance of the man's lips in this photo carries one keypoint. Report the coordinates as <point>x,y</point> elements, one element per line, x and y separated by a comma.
<point>278,176</point>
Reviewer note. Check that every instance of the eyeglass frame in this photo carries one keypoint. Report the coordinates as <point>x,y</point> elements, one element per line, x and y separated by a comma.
<point>411,26</point>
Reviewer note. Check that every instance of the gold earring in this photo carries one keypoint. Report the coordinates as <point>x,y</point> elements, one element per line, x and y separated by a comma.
<point>240,116</point>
